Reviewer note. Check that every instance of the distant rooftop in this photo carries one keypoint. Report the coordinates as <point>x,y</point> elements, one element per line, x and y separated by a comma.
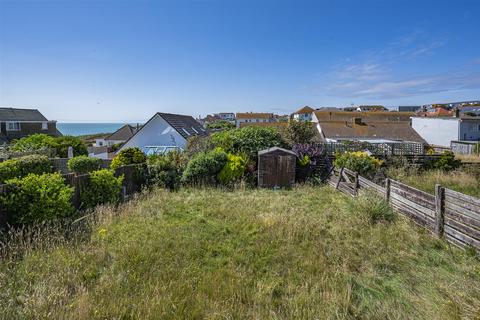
<point>17,114</point>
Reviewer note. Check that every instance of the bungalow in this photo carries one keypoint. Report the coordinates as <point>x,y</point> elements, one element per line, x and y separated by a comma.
<point>371,127</point>
<point>440,131</point>
<point>119,136</point>
<point>17,123</point>
<point>303,114</point>
<point>163,132</point>
<point>249,117</point>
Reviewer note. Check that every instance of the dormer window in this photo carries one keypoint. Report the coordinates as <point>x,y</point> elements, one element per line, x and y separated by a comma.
<point>44,125</point>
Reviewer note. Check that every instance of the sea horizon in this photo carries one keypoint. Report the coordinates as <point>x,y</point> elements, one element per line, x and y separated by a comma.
<point>85,128</point>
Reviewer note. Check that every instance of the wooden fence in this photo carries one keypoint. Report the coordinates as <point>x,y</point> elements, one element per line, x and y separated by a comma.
<point>451,215</point>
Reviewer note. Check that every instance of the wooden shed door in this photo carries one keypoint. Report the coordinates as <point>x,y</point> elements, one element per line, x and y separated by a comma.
<point>284,171</point>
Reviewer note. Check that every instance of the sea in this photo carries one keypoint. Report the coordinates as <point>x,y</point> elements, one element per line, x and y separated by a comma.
<point>79,129</point>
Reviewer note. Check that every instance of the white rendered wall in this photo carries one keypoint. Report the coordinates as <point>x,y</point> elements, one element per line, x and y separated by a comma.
<point>437,131</point>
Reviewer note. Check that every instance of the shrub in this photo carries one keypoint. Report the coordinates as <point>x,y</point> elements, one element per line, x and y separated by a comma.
<point>33,142</point>
<point>102,188</point>
<point>128,156</point>
<point>220,125</point>
<point>299,132</point>
<point>358,161</point>
<point>197,144</point>
<point>446,162</point>
<point>204,167</point>
<point>233,169</point>
<point>36,198</point>
<point>62,144</point>
<point>248,140</point>
<point>21,167</point>
<point>84,164</point>
<point>166,170</point>
<point>373,208</point>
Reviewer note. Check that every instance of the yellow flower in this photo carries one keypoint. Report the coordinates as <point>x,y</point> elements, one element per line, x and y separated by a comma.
<point>102,233</point>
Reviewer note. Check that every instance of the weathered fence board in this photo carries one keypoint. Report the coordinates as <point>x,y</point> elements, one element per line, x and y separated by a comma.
<point>452,215</point>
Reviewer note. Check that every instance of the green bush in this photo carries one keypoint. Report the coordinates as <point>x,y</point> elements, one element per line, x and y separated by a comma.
<point>36,198</point>
<point>299,132</point>
<point>220,125</point>
<point>128,156</point>
<point>62,144</point>
<point>33,142</point>
<point>233,169</point>
<point>84,164</point>
<point>358,161</point>
<point>102,188</point>
<point>166,170</point>
<point>197,144</point>
<point>248,140</point>
<point>21,167</point>
<point>446,162</point>
<point>204,167</point>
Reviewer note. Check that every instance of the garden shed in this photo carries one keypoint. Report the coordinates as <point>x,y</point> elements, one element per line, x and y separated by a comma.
<point>276,167</point>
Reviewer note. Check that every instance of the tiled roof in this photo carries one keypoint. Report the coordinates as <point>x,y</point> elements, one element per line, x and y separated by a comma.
<point>370,130</point>
<point>367,116</point>
<point>254,115</point>
<point>305,109</point>
<point>186,126</point>
<point>124,133</point>
<point>14,114</point>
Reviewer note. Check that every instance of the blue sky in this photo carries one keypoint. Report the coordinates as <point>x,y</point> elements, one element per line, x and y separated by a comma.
<point>116,61</point>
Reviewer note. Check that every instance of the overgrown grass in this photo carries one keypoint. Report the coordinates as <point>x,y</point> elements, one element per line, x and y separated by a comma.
<point>308,253</point>
<point>467,182</point>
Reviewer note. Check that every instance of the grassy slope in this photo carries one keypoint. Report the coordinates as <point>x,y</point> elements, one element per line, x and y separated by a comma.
<point>467,182</point>
<point>307,253</point>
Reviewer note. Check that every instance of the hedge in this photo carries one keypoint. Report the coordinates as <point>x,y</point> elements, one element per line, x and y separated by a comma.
<point>21,167</point>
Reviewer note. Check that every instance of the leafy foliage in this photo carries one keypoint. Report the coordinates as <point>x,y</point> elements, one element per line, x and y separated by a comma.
<point>197,144</point>
<point>248,140</point>
<point>166,170</point>
<point>128,156</point>
<point>233,169</point>
<point>36,198</point>
<point>220,125</point>
<point>84,164</point>
<point>21,167</point>
<point>102,188</point>
<point>33,142</point>
<point>314,152</point>
<point>358,161</point>
<point>60,144</point>
<point>299,132</point>
<point>446,162</point>
<point>204,167</point>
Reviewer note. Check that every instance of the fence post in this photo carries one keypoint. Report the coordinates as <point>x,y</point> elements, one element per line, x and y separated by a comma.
<point>339,178</point>
<point>439,210</point>
<point>387,190</point>
<point>356,184</point>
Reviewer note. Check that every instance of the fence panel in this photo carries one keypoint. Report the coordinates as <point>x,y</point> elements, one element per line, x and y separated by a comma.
<point>462,219</point>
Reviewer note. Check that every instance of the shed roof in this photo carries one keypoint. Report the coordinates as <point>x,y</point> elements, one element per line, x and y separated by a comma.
<point>261,152</point>
<point>16,114</point>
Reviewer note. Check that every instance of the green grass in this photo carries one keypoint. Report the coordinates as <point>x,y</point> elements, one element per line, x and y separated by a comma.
<point>467,182</point>
<point>308,253</point>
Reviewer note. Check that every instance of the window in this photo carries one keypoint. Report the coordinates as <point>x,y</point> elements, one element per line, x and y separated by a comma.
<point>44,125</point>
<point>13,126</point>
<point>186,132</point>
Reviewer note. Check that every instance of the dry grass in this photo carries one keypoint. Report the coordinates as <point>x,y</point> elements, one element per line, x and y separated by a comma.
<point>308,253</point>
<point>462,181</point>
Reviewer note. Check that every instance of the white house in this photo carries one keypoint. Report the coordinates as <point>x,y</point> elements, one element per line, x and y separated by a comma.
<point>253,117</point>
<point>303,114</point>
<point>165,131</point>
<point>440,131</point>
<point>119,136</point>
